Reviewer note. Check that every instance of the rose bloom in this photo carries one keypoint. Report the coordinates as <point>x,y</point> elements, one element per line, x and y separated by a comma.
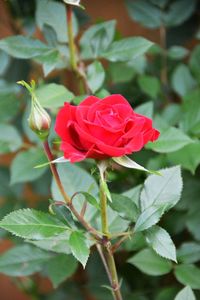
<point>102,128</point>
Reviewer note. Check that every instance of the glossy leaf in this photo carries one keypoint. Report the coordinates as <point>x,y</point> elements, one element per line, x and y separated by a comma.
<point>145,109</point>
<point>58,243</point>
<point>10,139</point>
<point>170,140</point>
<point>23,47</point>
<point>149,217</point>
<point>144,12</point>
<point>79,247</point>
<point>189,252</point>
<point>149,85</point>
<point>188,275</point>
<point>22,167</point>
<point>185,294</point>
<point>190,121</point>
<point>95,76</point>
<point>162,190</point>
<point>182,80</point>
<point>60,268</point>
<point>53,95</point>
<point>9,106</point>
<point>32,224</point>
<point>161,242</point>
<point>188,157</point>
<point>195,61</point>
<point>23,260</point>
<point>150,263</point>
<point>177,52</point>
<point>126,208</point>
<point>97,39</point>
<point>127,49</point>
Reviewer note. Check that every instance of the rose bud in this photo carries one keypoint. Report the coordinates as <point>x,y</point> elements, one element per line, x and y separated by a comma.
<point>39,120</point>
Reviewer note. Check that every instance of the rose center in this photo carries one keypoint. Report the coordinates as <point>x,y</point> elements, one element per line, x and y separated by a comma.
<point>108,118</point>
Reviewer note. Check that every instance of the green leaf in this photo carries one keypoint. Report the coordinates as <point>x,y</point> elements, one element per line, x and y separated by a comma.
<point>166,293</point>
<point>57,244</point>
<point>79,247</point>
<point>4,62</point>
<point>91,199</point>
<point>178,12</point>
<point>22,167</point>
<point>162,190</point>
<point>150,85</point>
<point>75,179</point>
<point>177,52</point>
<point>126,208</point>
<point>53,14</point>
<point>10,140</point>
<point>62,213</point>
<point>53,95</point>
<point>32,224</point>
<point>170,140</point>
<point>148,262</point>
<point>127,49</point>
<point>61,267</point>
<point>96,39</point>
<point>145,13</point>
<point>145,109</point>
<point>189,252</point>
<point>53,59</point>
<point>172,114</point>
<point>149,217</point>
<point>23,260</point>
<point>190,121</point>
<point>134,194</point>
<point>24,47</point>
<point>121,71</point>
<point>188,275</point>
<point>193,223</point>
<point>195,61</point>
<point>95,76</point>
<point>9,106</point>
<point>188,157</point>
<point>182,80</point>
<point>161,242</point>
<point>185,294</point>
<point>125,161</point>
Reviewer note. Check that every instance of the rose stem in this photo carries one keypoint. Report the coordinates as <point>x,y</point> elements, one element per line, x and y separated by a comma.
<point>118,243</point>
<point>67,199</point>
<point>107,244</point>
<point>79,71</point>
<point>164,78</point>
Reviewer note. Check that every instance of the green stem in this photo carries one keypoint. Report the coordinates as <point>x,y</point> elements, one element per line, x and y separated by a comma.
<point>106,244</point>
<point>72,48</point>
<point>67,199</point>
<point>77,68</point>
<point>164,78</point>
<point>103,203</point>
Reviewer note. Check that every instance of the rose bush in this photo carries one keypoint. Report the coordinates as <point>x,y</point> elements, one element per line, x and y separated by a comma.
<point>101,128</point>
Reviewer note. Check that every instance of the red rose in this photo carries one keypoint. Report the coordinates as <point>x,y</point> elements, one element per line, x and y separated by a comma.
<point>102,128</point>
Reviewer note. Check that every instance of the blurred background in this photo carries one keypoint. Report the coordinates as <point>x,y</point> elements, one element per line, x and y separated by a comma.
<point>164,84</point>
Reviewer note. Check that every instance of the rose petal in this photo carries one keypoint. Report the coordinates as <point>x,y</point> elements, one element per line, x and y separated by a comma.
<point>89,101</point>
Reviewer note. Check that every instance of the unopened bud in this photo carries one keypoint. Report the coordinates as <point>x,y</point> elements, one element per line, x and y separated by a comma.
<point>39,120</point>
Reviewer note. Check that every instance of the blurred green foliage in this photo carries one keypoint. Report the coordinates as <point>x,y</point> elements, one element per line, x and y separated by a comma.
<point>161,82</point>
